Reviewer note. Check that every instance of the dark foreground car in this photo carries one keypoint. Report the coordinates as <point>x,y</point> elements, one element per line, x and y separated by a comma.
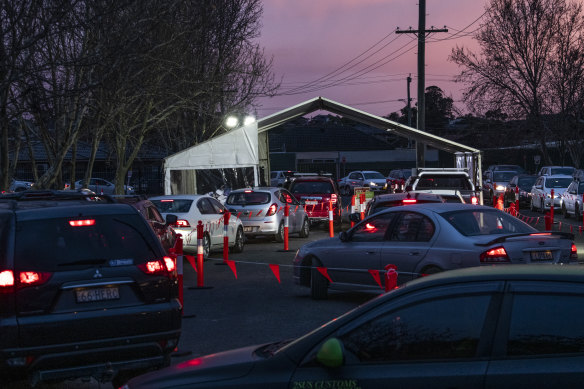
<point>86,290</point>
<point>492,327</point>
<point>422,239</point>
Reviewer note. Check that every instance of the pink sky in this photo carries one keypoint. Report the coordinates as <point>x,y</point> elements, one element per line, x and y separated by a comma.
<point>309,39</point>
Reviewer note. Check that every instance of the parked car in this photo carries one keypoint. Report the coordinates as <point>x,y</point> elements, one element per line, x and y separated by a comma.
<point>373,180</point>
<point>161,227</point>
<point>385,201</point>
<point>571,199</point>
<point>190,209</point>
<point>396,179</point>
<point>522,182</point>
<point>443,181</point>
<point>100,186</point>
<point>278,177</point>
<point>86,290</point>
<point>262,212</point>
<point>316,193</point>
<point>555,170</point>
<point>495,183</point>
<point>19,185</point>
<point>423,239</point>
<point>506,327</point>
<point>541,196</point>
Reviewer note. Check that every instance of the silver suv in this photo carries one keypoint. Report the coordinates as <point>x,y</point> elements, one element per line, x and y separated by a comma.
<point>261,210</point>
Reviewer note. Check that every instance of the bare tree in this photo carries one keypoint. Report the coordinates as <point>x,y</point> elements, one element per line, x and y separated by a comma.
<point>517,41</point>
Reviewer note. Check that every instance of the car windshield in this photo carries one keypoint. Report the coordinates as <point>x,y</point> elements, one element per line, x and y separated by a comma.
<point>503,176</point>
<point>173,205</point>
<point>473,222</point>
<point>562,170</point>
<point>60,244</point>
<point>312,187</point>
<point>373,176</point>
<point>444,182</point>
<point>248,198</point>
<point>558,182</point>
<point>526,183</point>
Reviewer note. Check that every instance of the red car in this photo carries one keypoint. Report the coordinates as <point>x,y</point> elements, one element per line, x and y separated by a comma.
<point>316,193</point>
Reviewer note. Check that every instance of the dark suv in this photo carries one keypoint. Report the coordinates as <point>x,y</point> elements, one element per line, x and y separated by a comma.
<point>86,289</point>
<point>316,194</point>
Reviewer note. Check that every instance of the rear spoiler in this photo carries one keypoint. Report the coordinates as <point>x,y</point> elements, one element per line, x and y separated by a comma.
<point>501,239</point>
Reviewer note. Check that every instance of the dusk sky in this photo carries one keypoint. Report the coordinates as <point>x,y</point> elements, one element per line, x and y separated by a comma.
<point>352,47</point>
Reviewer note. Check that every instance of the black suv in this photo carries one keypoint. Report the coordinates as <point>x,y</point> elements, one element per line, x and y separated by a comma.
<point>86,289</point>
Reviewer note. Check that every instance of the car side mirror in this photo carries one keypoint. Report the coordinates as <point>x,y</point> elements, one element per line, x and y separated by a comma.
<point>171,219</point>
<point>343,236</point>
<point>330,353</point>
<point>355,217</point>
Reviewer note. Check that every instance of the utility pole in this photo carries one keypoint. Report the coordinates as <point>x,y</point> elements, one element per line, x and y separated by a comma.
<point>421,32</point>
<point>409,79</point>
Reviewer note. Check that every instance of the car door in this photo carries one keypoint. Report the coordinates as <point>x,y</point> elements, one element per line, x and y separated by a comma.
<point>569,197</point>
<point>220,212</point>
<point>537,192</point>
<point>425,340</point>
<point>408,243</point>
<point>541,337</point>
<point>351,262</point>
<point>295,218</point>
<point>210,219</point>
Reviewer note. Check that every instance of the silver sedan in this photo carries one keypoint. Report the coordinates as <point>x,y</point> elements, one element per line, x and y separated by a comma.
<point>422,239</point>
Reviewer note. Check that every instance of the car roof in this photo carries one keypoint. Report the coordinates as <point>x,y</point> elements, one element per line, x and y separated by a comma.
<point>179,197</point>
<point>406,195</point>
<point>311,178</point>
<point>443,208</point>
<point>258,188</point>
<point>557,176</point>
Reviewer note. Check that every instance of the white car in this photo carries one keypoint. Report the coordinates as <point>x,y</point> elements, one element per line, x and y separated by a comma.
<point>541,192</point>
<point>572,199</point>
<point>101,186</point>
<point>190,209</point>
<point>278,177</point>
<point>375,181</point>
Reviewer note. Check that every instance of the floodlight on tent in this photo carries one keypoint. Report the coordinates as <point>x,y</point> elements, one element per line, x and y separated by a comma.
<point>231,121</point>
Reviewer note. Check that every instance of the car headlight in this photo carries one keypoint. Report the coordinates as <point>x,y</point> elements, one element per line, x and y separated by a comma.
<point>372,184</point>
<point>500,187</point>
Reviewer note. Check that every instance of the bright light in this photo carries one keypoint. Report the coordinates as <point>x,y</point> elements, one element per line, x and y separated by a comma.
<point>248,120</point>
<point>231,121</point>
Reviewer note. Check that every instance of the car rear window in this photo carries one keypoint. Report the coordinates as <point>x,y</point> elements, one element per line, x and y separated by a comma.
<point>485,222</point>
<point>312,187</point>
<point>526,183</point>
<point>444,182</point>
<point>373,176</point>
<point>105,240</point>
<point>562,170</point>
<point>173,205</point>
<point>558,182</point>
<point>249,198</point>
<point>503,176</point>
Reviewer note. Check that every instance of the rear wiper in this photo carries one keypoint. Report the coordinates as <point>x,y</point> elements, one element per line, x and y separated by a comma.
<point>94,261</point>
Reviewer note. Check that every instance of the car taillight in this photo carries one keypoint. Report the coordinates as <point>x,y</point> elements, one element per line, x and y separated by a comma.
<point>496,255</point>
<point>161,267</point>
<point>474,200</point>
<point>574,253</point>
<point>409,201</point>
<point>334,198</point>
<point>82,223</point>
<point>23,279</point>
<point>182,223</point>
<point>6,278</point>
<point>272,210</point>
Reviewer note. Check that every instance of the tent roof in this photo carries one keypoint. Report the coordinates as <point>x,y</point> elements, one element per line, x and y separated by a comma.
<point>321,103</point>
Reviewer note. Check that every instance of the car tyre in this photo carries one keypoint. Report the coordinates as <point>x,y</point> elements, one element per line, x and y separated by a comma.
<point>576,211</point>
<point>280,234</point>
<point>239,241</point>
<point>565,211</point>
<point>431,270</point>
<point>305,229</point>
<point>318,284</point>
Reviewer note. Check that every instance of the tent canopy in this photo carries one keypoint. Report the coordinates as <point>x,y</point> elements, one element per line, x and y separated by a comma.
<point>247,147</point>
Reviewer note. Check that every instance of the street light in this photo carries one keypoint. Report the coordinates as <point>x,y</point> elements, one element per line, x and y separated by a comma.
<point>233,121</point>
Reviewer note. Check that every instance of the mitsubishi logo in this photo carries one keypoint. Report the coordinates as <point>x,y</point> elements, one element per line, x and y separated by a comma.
<point>97,274</point>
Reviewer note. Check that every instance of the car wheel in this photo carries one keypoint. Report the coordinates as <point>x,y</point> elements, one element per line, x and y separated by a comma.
<point>565,212</point>
<point>305,229</point>
<point>239,241</point>
<point>431,270</point>
<point>318,284</point>
<point>280,234</point>
<point>576,211</point>
<point>206,247</point>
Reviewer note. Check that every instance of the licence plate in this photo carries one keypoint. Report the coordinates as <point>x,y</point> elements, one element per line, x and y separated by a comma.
<point>311,202</point>
<point>97,294</point>
<point>541,255</point>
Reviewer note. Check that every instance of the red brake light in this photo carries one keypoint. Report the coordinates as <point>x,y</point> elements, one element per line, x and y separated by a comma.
<point>167,201</point>
<point>574,252</point>
<point>409,201</point>
<point>160,267</point>
<point>31,278</point>
<point>496,255</point>
<point>474,200</point>
<point>170,265</point>
<point>182,223</point>
<point>272,210</point>
<point>82,223</point>
<point>248,191</point>
<point>334,198</point>
<point>6,278</point>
